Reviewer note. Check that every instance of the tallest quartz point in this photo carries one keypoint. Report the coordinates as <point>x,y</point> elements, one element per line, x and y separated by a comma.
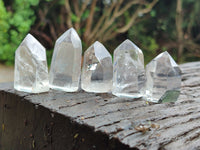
<point>66,62</point>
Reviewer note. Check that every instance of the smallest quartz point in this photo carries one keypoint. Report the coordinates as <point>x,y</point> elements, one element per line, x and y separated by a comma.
<point>163,79</point>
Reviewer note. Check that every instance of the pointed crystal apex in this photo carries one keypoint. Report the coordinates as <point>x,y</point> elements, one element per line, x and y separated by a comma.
<point>66,62</point>
<point>70,36</point>
<point>128,70</point>
<point>97,69</point>
<point>163,79</point>
<point>31,72</point>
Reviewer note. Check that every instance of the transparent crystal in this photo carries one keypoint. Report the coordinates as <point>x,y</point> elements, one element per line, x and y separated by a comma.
<point>31,72</point>
<point>163,79</point>
<point>66,62</point>
<point>128,70</point>
<point>97,69</point>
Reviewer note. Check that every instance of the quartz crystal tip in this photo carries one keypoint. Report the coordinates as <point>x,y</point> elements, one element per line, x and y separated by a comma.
<point>97,69</point>
<point>163,79</point>
<point>70,36</point>
<point>128,70</point>
<point>31,72</point>
<point>66,62</point>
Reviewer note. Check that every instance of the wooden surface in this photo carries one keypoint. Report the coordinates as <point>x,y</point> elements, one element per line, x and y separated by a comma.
<point>102,121</point>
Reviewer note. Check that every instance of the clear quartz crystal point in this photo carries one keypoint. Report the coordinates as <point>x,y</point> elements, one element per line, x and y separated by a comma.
<point>128,70</point>
<point>66,62</point>
<point>163,79</point>
<point>31,72</point>
<point>97,69</point>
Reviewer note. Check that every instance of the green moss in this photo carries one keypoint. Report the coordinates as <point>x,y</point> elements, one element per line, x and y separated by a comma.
<point>14,25</point>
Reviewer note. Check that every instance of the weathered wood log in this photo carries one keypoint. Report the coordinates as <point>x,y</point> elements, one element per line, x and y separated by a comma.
<point>58,120</point>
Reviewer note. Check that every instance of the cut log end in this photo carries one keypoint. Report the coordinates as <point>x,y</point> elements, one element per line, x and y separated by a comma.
<point>58,120</point>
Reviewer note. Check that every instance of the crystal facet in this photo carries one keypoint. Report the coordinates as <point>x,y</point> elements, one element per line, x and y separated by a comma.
<point>163,79</point>
<point>128,70</point>
<point>31,72</point>
<point>97,69</point>
<point>66,62</point>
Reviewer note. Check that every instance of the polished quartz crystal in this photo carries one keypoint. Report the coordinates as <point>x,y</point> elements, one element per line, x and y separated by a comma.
<point>66,62</point>
<point>128,70</point>
<point>31,72</point>
<point>163,79</point>
<point>97,69</point>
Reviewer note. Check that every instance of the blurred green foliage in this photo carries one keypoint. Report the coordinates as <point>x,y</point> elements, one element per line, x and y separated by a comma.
<point>158,31</point>
<point>155,32</point>
<point>15,22</point>
<point>139,34</point>
<point>49,56</point>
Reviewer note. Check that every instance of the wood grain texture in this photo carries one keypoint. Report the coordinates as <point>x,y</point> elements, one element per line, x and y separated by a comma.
<point>114,123</point>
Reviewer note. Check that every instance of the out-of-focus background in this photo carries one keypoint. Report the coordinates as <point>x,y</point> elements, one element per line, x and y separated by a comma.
<point>153,25</point>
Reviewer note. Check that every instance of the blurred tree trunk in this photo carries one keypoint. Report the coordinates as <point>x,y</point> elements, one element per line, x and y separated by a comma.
<point>179,22</point>
<point>94,20</point>
<point>106,27</point>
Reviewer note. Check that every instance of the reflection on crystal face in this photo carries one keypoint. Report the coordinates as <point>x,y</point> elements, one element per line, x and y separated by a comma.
<point>31,73</point>
<point>66,62</point>
<point>169,96</point>
<point>97,69</point>
<point>92,66</point>
<point>128,70</point>
<point>163,79</point>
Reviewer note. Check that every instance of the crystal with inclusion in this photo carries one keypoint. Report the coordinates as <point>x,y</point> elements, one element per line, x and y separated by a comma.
<point>97,69</point>
<point>128,70</point>
<point>31,72</point>
<point>66,62</point>
<point>163,79</point>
